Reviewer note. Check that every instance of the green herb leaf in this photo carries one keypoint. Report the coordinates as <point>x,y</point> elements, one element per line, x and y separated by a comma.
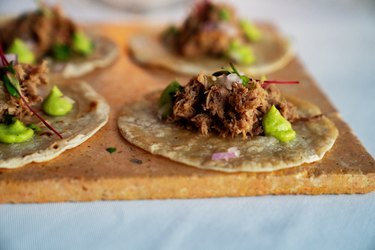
<point>224,15</point>
<point>111,150</point>
<point>34,127</point>
<point>13,80</point>
<point>61,52</point>
<point>166,99</point>
<point>171,31</point>
<point>234,69</point>
<point>12,90</point>
<point>245,79</point>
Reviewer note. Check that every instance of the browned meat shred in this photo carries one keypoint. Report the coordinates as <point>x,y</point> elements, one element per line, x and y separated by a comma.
<point>204,33</point>
<point>213,108</point>
<point>41,30</point>
<point>31,77</point>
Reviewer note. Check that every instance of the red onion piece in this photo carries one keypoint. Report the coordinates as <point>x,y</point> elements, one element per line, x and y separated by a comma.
<point>12,58</point>
<point>232,152</point>
<point>9,58</point>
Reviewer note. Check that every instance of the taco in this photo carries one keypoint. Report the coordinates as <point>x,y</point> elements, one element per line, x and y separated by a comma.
<point>46,34</point>
<point>72,114</point>
<point>210,37</point>
<point>228,122</point>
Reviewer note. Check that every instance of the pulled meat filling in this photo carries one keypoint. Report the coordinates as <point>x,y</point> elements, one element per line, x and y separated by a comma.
<point>211,107</point>
<point>41,30</point>
<point>31,77</point>
<point>208,30</point>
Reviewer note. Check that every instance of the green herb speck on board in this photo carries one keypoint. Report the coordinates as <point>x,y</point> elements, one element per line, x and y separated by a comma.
<point>111,150</point>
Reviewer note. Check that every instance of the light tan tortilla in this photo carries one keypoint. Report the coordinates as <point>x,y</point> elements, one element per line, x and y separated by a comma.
<point>272,53</point>
<point>140,125</point>
<point>89,114</point>
<point>105,52</point>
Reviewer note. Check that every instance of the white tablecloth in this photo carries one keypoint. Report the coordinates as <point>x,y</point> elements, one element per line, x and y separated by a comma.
<point>336,42</point>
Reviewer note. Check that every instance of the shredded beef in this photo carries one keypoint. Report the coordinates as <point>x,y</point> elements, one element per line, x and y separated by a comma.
<point>215,108</point>
<point>204,33</point>
<point>31,77</point>
<point>40,29</point>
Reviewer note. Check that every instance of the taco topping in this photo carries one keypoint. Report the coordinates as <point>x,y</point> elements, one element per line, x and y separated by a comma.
<point>56,104</point>
<point>276,125</point>
<point>19,85</point>
<point>15,132</point>
<point>214,30</point>
<point>18,47</point>
<point>44,32</point>
<point>232,152</point>
<point>230,104</point>
<point>30,78</point>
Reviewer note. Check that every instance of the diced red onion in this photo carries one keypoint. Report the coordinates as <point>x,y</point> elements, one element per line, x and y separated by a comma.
<point>229,29</point>
<point>234,78</point>
<point>10,58</point>
<point>232,152</point>
<point>228,80</point>
<point>207,27</point>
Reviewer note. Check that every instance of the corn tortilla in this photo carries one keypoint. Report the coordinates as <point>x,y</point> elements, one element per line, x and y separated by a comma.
<point>272,53</point>
<point>89,114</point>
<point>105,52</point>
<point>140,125</point>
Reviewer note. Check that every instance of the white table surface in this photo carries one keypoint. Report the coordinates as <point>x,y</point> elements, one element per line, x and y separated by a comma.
<point>336,41</point>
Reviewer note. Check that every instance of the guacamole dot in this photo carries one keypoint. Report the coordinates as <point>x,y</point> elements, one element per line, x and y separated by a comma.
<point>252,33</point>
<point>240,53</point>
<point>81,43</point>
<point>19,47</point>
<point>56,104</point>
<point>15,132</point>
<point>274,124</point>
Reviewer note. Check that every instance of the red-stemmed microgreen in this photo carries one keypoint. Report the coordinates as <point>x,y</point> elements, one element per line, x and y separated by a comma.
<point>266,83</point>
<point>246,80</point>
<point>13,87</point>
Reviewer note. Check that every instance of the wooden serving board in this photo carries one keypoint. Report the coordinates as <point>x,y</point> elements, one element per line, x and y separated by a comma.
<point>89,172</point>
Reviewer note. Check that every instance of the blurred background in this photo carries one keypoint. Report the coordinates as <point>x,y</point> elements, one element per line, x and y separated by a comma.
<point>335,39</point>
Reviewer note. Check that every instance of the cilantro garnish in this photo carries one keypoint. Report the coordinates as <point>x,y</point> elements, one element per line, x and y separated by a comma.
<point>224,15</point>
<point>245,79</point>
<point>111,150</point>
<point>9,76</point>
<point>34,127</point>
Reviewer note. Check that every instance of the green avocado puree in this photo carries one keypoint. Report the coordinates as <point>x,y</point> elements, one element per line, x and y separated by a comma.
<point>25,55</point>
<point>56,104</point>
<point>15,133</point>
<point>274,124</point>
<point>240,53</point>
<point>252,33</point>
<point>81,43</point>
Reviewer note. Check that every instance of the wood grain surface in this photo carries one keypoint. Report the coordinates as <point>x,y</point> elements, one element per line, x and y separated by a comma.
<point>89,172</point>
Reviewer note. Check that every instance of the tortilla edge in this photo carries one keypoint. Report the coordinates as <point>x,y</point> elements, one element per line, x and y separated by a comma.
<point>102,110</point>
<point>334,132</point>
